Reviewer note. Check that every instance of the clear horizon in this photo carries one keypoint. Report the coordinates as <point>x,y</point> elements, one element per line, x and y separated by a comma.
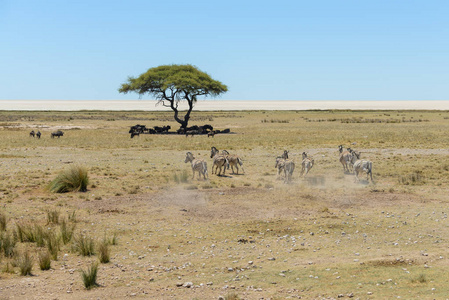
<point>293,50</point>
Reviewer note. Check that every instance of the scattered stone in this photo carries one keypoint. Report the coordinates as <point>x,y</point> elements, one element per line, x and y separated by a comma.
<point>188,284</point>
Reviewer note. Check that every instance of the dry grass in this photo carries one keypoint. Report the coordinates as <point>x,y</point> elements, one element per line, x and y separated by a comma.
<point>249,235</point>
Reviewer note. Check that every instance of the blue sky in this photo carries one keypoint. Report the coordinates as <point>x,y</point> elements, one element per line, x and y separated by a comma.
<point>262,50</point>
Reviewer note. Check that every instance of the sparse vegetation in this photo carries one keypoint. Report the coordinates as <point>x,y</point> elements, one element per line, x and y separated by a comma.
<point>249,231</point>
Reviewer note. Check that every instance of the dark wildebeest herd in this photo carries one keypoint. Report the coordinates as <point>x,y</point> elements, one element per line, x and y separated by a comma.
<point>207,129</point>
<point>38,134</point>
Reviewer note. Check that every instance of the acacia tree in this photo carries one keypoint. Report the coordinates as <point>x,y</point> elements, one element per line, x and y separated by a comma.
<point>171,84</point>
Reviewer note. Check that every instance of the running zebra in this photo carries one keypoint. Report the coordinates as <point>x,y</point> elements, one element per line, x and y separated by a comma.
<point>307,164</point>
<point>198,165</point>
<point>219,161</point>
<point>280,164</point>
<point>345,158</point>
<point>234,160</point>
<point>364,166</point>
<point>289,167</point>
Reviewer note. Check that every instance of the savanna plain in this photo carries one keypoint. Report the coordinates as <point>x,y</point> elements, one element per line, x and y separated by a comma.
<point>239,236</point>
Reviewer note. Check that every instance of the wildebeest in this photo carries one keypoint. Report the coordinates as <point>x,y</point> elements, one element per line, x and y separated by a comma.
<point>234,161</point>
<point>198,165</point>
<point>365,166</point>
<point>219,161</point>
<point>307,164</point>
<point>32,133</point>
<point>191,132</point>
<point>38,134</point>
<point>163,129</point>
<point>285,154</point>
<point>211,134</point>
<point>58,133</point>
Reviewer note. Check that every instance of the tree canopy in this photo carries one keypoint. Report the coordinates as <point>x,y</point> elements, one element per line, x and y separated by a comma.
<point>171,84</point>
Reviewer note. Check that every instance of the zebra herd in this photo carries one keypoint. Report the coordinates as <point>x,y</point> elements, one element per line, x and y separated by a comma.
<point>352,163</point>
<point>349,158</point>
<point>220,162</point>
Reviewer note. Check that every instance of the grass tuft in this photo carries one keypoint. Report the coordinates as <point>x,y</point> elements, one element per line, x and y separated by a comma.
<point>183,177</point>
<point>83,245</point>
<point>53,216</point>
<point>90,276</point>
<point>66,232</point>
<point>44,260</point>
<point>25,263</point>
<point>3,222</point>
<point>70,180</point>
<point>53,243</point>
<point>103,252</point>
<point>8,244</point>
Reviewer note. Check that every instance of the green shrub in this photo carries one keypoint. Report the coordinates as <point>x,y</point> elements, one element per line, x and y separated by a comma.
<point>73,179</point>
<point>44,260</point>
<point>90,276</point>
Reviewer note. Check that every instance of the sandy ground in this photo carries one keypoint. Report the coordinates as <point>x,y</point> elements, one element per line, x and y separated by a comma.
<point>216,105</point>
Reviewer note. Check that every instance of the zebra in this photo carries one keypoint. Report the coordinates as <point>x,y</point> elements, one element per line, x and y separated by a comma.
<point>355,155</point>
<point>345,157</point>
<point>307,164</point>
<point>219,161</point>
<point>32,133</point>
<point>280,164</point>
<point>363,166</point>
<point>289,167</point>
<point>234,160</point>
<point>198,165</point>
<point>38,134</point>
